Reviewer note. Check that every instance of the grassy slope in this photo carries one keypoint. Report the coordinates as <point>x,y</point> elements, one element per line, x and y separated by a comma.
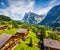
<point>23,43</point>
<point>11,31</point>
<point>24,46</point>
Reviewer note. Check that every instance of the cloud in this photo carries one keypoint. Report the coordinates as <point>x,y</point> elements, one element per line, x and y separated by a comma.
<point>18,7</point>
<point>44,11</point>
<point>52,2</point>
<point>4,12</point>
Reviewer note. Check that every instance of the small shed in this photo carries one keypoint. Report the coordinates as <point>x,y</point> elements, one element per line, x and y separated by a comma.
<point>22,33</point>
<point>51,44</point>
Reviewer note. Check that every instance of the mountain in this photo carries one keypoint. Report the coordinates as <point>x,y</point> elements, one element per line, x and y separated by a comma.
<point>33,18</point>
<point>4,18</point>
<point>52,17</point>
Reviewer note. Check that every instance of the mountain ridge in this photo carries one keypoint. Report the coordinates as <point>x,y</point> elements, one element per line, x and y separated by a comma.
<point>53,16</point>
<point>33,18</point>
<point>4,18</point>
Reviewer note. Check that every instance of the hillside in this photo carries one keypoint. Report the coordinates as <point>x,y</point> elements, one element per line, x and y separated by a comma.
<point>53,16</point>
<point>4,18</point>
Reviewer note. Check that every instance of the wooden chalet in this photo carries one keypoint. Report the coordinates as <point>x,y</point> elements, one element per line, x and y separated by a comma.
<point>3,27</point>
<point>22,33</point>
<point>7,42</point>
<point>51,44</point>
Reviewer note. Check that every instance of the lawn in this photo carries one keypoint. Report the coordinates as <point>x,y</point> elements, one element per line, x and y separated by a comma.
<point>10,31</point>
<point>23,45</point>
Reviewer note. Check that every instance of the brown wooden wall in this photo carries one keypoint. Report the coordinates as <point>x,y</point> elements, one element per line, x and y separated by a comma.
<point>22,34</point>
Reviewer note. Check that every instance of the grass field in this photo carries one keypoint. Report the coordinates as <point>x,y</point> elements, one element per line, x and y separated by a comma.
<point>23,45</point>
<point>10,31</point>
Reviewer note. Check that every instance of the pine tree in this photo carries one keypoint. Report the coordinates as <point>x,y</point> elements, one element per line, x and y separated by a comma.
<point>31,44</point>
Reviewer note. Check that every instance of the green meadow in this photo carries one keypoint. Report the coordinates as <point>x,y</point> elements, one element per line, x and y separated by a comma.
<point>45,32</point>
<point>23,44</point>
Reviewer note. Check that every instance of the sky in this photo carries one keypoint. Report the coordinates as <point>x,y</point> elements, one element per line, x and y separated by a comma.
<point>17,8</point>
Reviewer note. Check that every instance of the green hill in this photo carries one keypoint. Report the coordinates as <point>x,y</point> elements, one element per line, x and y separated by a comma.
<point>4,18</point>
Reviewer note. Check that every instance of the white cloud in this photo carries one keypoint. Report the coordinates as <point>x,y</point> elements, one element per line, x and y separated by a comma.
<point>53,1</point>
<point>4,12</point>
<point>18,7</point>
<point>44,11</point>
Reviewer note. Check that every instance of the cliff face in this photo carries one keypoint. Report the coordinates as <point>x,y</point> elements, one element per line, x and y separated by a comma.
<point>32,18</point>
<point>53,16</point>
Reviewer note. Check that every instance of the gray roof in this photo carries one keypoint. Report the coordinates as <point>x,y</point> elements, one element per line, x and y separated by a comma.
<point>21,30</point>
<point>4,38</point>
<point>51,43</point>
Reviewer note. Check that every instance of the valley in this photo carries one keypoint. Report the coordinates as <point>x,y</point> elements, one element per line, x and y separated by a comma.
<point>33,32</point>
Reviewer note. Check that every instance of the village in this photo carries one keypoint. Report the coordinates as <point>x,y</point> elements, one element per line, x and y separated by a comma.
<point>9,42</point>
<point>29,24</point>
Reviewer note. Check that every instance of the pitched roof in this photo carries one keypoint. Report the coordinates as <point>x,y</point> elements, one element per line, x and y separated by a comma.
<point>21,30</point>
<point>51,43</point>
<point>4,38</point>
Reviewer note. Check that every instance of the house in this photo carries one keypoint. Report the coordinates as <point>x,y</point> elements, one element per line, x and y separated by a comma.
<point>6,41</point>
<point>3,27</point>
<point>22,33</point>
<point>51,44</point>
